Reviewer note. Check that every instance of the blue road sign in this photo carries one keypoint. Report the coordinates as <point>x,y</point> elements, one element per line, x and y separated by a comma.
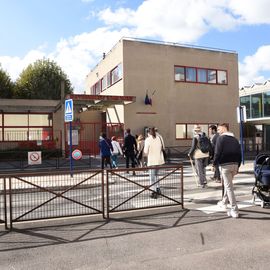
<point>68,110</point>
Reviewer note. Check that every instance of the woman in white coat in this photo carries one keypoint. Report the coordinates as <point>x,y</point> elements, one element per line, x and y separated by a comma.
<point>153,150</point>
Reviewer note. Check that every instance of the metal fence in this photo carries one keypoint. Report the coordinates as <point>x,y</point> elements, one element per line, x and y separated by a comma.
<point>131,189</point>
<point>47,195</point>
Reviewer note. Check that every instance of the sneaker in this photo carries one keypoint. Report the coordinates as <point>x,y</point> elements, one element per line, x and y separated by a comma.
<point>232,213</point>
<point>222,205</point>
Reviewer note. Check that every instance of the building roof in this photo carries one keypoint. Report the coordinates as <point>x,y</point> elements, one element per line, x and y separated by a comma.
<point>28,105</point>
<point>255,88</point>
<point>98,102</point>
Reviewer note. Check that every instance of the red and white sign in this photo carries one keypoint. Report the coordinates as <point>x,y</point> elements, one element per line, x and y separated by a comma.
<point>34,158</point>
<point>77,154</point>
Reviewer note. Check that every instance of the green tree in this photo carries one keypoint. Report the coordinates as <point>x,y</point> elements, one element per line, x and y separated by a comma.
<point>42,80</point>
<point>6,85</point>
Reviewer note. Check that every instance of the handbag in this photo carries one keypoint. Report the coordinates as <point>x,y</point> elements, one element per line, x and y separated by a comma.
<point>163,150</point>
<point>164,154</point>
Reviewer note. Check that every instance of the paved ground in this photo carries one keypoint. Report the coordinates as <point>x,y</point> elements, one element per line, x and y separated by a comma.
<point>198,237</point>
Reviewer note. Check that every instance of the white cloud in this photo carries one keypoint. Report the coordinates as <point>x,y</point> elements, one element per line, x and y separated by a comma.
<point>183,21</point>
<point>15,65</point>
<point>252,67</point>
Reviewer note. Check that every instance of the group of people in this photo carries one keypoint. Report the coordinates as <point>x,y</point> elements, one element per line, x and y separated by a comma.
<point>225,156</point>
<point>135,151</point>
<point>223,152</point>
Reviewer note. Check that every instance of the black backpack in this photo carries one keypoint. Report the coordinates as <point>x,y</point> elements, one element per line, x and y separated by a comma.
<point>204,144</point>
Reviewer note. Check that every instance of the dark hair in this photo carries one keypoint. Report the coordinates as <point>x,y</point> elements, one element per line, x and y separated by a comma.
<point>213,127</point>
<point>152,131</point>
<point>103,135</point>
<point>128,130</point>
<point>224,125</point>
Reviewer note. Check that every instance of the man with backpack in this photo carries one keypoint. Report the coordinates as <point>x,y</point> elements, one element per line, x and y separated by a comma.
<point>199,151</point>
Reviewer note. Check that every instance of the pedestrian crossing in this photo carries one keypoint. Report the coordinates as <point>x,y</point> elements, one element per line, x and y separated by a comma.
<point>205,199</point>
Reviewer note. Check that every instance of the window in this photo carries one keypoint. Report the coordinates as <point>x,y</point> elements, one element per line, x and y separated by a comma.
<point>181,131</point>
<point>222,77</point>
<point>107,80</point>
<point>266,104</point>
<point>179,73</point>
<point>18,134</point>
<point>40,120</point>
<point>211,76</point>
<point>185,131</point>
<point>116,74</point>
<point>104,83</point>
<point>18,120</point>
<point>245,101</point>
<point>190,74</point>
<point>201,73</point>
<point>98,87</point>
<point>256,106</point>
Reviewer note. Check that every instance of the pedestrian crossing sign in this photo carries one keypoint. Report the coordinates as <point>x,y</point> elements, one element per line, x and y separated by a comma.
<point>68,110</point>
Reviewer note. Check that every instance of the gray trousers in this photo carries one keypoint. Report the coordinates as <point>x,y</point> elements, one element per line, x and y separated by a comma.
<point>228,172</point>
<point>200,166</point>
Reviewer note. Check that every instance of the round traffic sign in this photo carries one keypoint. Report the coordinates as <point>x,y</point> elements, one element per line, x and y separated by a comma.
<point>77,154</point>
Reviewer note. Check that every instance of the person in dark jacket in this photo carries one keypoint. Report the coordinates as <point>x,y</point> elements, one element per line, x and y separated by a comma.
<point>213,138</point>
<point>200,159</point>
<point>228,157</point>
<point>129,148</point>
<point>105,146</point>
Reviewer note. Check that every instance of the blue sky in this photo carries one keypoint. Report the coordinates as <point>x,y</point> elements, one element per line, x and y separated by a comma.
<point>75,33</point>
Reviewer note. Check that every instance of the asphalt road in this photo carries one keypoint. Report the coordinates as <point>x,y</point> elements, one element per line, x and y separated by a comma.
<point>199,236</point>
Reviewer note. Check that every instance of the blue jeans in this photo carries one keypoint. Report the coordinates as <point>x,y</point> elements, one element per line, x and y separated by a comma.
<point>153,173</point>
<point>114,160</point>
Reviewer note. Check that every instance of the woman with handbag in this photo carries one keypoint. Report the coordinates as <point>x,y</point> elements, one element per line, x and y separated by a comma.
<point>153,150</point>
<point>201,159</point>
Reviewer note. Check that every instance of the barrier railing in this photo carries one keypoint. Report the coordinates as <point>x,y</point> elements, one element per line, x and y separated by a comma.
<point>132,190</point>
<point>45,196</point>
<point>48,195</point>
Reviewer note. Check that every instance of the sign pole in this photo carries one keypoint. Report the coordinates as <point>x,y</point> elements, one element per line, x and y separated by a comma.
<point>69,118</point>
<point>70,150</point>
<point>241,116</point>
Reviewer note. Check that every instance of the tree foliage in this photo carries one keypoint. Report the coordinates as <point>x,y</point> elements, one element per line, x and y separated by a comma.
<point>6,85</point>
<point>42,80</point>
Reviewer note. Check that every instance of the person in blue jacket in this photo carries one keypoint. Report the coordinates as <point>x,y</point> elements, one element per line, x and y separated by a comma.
<point>105,147</point>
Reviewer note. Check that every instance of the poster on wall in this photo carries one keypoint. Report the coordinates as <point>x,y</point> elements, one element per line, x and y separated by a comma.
<point>75,137</point>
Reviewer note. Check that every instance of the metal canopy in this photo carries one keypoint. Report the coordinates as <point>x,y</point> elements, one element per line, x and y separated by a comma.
<point>98,102</point>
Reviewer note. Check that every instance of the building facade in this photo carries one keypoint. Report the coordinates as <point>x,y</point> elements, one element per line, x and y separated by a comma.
<point>175,87</point>
<point>256,99</point>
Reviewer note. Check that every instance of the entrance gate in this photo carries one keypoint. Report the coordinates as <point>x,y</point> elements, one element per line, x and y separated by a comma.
<point>86,135</point>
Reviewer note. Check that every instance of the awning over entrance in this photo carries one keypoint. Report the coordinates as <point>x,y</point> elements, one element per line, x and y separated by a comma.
<point>98,102</point>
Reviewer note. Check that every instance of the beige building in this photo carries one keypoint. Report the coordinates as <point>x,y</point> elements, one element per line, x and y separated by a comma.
<point>185,86</point>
